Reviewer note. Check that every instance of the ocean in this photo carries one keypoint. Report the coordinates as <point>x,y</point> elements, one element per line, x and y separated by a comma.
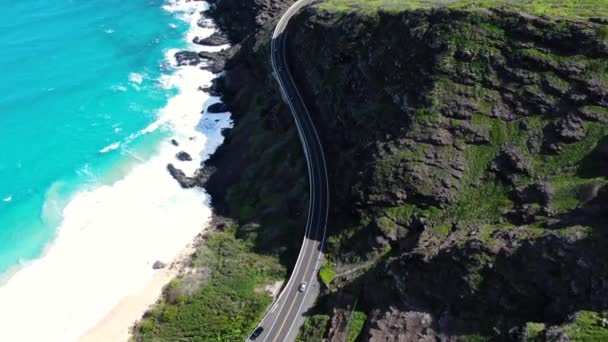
<point>90,99</point>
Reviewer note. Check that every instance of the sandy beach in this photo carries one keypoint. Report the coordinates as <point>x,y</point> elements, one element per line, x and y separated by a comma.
<point>117,324</point>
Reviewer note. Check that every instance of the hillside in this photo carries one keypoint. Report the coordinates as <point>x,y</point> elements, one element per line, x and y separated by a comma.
<point>468,154</point>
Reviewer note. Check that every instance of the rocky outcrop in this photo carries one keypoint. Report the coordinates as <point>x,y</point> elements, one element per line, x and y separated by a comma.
<point>509,164</point>
<point>158,265</point>
<point>397,326</point>
<point>219,107</point>
<point>187,58</point>
<point>179,175</point>
<point>216,39</point>
<point>251,16</point>
<point>183,156</point>
<point>214,61</point>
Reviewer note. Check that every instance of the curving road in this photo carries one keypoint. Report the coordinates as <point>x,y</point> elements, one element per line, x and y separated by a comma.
<point>283,320</point>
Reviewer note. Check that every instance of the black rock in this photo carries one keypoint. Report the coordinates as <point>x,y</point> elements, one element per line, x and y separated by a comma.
<point>218,108</point>
<point>179,175</point>
<point>174,142</point>
<point>187,58</point>
<point>567,130</point>
<point>216,39</point>
<point>509,165</point>
<point>158,265</point>
<point>183,156</point>
<point>211,91</point>
<point>214,61</point>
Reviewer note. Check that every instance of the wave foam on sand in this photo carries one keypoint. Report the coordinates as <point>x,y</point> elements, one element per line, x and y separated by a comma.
<point>98,272</point>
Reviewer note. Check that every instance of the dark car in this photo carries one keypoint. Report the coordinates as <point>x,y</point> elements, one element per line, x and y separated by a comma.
<point>256,333</point>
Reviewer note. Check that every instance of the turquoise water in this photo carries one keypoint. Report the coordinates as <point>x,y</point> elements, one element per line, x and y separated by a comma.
<point>77,76</point>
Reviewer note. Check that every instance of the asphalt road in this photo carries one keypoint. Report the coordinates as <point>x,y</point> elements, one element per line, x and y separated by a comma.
<point>284,318</point>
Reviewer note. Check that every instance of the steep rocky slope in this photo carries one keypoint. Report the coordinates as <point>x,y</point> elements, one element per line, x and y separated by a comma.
<point>468,157</point>
<point>471,144</point>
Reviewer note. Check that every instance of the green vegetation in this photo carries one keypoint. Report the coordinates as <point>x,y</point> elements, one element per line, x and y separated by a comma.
<point>314,329</point>
<point>572,191</point>
<point>561,8</point>
<point>588,326</point>
<point>327,273</point>
<point>534,331</point>
<point>603,33</point>
<point>355,326</point>
<point>475,338</point>
<point>222,301</point>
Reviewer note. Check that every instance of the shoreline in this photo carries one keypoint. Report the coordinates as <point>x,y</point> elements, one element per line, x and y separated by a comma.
<point>118,324</point>
<point>101,278</point>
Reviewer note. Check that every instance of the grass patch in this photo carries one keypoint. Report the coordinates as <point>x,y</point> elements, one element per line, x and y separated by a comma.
<point>571,191</point>
<point>327,273</point>
<point>576,9</point>
<point>356,325</point>
<point>588,326</point>
<point>224,305</point>
<point>314,329</point>
<point>534,331</point>
<point>442,230</point>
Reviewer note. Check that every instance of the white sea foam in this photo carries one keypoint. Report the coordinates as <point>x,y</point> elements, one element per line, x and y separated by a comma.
<point>136,78</point>
<point>110,235</point>
<point>119,87</point>
<point>7,198</point>
<point>110,147</point>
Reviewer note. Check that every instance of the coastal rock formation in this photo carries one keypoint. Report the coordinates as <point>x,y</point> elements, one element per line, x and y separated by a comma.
<point>216,39</point>
<point>214,61</point>
<point>251,16</point>
<point>187,58</point>
<point>183,156</point>
<point>179,175</point>
<point>219,107</point>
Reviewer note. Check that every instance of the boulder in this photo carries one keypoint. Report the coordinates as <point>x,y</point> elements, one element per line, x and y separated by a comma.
<point>158,265</point>
<point>183,156</point>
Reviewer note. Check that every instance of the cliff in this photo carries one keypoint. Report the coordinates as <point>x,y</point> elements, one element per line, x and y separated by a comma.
<point>471,145</point>
<point>468,157</point>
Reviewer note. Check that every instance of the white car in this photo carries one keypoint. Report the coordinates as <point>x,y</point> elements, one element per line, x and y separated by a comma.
<point>302,287</point>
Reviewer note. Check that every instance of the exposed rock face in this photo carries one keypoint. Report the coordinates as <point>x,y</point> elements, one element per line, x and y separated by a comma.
<point>464,143</point>
<point>250,15</point>
<point>478,147</point>
<point>509,164</point>
<point>179,175</point>
<point>397,326</point>
<point>187,58</point>
<point>216,39</point>
<point>219,107</point>
<point>214,61</point>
